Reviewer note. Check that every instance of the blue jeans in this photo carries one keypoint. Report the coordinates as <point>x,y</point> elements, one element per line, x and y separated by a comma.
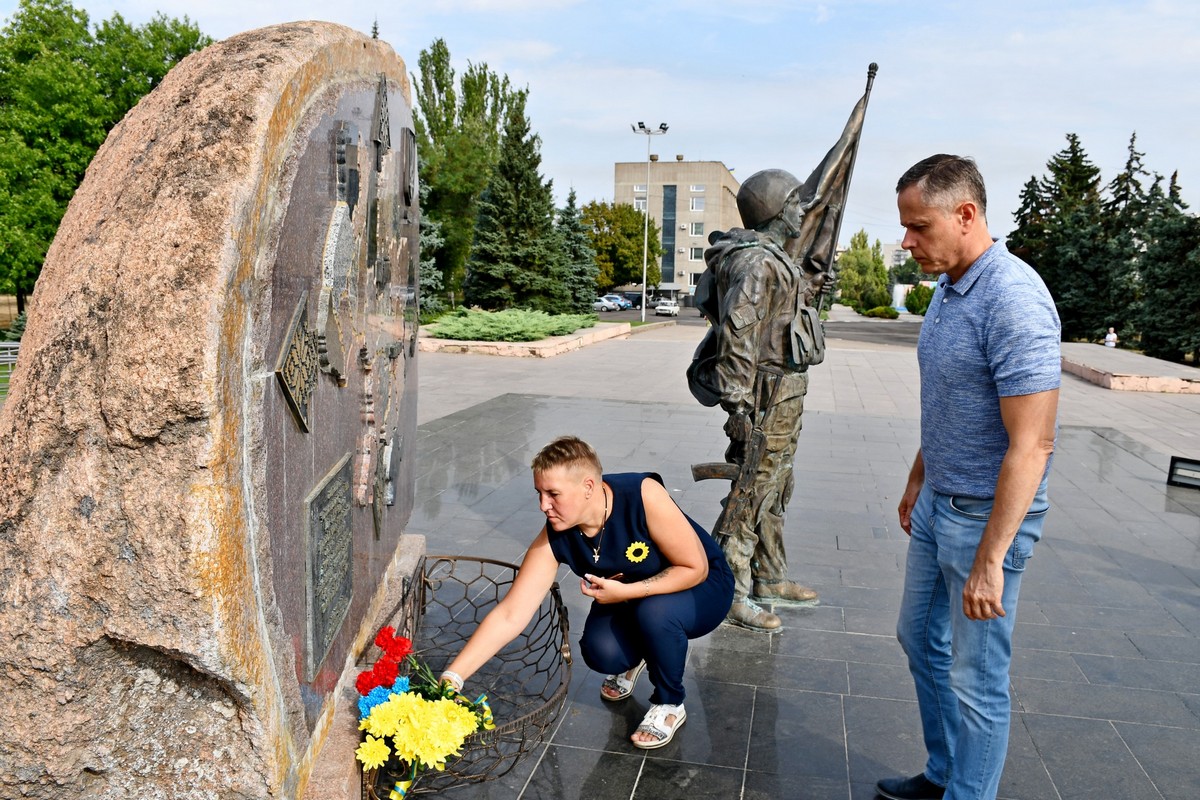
<point>960,665</point>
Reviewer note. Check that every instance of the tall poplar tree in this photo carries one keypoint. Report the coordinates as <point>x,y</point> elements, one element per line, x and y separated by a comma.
<point>458,123</point>
<point>517,258</point>
<point>862,275</point>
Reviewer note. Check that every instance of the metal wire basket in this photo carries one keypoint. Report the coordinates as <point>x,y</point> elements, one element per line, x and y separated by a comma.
<point>526,682</point>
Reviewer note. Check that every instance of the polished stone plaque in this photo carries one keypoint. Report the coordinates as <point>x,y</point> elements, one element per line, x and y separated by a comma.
<point>330,550</point>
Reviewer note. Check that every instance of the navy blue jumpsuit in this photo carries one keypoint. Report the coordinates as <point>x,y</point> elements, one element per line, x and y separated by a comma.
<point>657,628</point>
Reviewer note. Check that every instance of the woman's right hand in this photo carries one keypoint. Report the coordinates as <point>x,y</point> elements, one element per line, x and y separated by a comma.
<point>604,590</point>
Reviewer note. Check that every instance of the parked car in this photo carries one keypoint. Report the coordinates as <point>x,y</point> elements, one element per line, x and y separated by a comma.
<point>667,308</point>
<point>621,302</point>
<point>603,304</point>
<point>634,298</point>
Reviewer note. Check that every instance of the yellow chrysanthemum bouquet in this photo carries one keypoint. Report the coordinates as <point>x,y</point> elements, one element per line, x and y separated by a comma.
<point>411,722</point>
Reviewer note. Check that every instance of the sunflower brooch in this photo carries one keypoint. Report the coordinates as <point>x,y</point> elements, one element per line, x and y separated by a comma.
<point>637,552</point>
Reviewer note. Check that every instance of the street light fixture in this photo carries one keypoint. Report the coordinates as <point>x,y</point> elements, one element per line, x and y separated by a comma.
<point>641,128</point>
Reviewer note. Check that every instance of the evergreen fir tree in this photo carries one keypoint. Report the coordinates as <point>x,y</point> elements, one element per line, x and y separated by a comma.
<point>1059,232</point>
<point>579,259</point>
<point>1168,314</point>
<point>516,257</point>
<point>430,281</point>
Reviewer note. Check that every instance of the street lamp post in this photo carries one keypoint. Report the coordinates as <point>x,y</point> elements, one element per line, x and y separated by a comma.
<point>641,128</point>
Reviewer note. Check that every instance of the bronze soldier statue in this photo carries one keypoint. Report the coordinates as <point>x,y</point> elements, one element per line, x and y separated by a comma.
<point>753,362</point>
<point>762,293</point>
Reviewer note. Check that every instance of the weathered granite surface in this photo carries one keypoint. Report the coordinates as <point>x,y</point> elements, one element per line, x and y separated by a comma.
<point>154,611</point>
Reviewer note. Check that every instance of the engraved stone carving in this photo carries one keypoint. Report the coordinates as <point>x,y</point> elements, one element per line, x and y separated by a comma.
<point>296,367</point>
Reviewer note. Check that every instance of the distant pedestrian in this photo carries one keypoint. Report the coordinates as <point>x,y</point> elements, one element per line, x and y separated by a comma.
<point>1110,338</point>
<point>976,495</point>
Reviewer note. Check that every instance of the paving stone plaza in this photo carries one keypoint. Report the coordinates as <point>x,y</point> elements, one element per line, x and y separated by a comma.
<point>1106,673</point>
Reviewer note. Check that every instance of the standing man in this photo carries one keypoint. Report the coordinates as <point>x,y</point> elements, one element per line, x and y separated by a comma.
<point>753,360</point>
<point>976,496</point>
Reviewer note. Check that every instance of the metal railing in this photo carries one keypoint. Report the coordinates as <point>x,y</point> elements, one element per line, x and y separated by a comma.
<point>8,362</point>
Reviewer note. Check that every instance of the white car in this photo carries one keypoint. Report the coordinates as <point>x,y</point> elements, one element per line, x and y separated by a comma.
<point>667,308</point>
<point>602,304</point>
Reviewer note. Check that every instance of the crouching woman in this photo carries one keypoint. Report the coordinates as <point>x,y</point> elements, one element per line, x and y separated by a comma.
<point>656,579</point>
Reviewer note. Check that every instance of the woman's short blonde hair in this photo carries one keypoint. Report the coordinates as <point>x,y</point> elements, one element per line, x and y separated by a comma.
<point>567,451</point>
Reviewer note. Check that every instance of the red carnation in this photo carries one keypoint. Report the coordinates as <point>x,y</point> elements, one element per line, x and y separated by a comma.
<point>396,647</point>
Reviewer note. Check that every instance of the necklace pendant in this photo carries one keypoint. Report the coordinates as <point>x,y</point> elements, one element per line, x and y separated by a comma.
<point>596,555</point>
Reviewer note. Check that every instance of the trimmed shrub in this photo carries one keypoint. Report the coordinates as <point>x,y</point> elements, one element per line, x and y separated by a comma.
<point>510,325</point>
<point>883,312</point>
<point>917,299</point>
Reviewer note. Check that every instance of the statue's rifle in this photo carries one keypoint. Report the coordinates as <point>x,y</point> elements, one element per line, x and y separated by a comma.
<point>739,502</point>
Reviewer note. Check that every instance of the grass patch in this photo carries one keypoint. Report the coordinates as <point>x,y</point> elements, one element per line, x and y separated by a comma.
<point>511,325</point>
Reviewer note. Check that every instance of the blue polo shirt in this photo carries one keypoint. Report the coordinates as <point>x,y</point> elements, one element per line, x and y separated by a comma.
<point>994,333</point>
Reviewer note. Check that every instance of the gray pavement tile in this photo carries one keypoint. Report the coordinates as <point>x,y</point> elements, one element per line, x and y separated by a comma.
<point>1153,620</point>
<point>1046,665</point>
<point>864,620</point>
<point>1085,700</point>
<point>1168,755</point>
<point>669,780</point>
<point>1072,639</point>
<point>885,681</point>
<point>771,670</point>
<point>770,786</point>
<point>571,773</point>
<point>1140,673</point>
<point>842,646</point>
<point>717,729</point>
<point>1025,776</point>
<point>883,739</point>
<point>1185,649</point>
<point>1087,759</point>
<point>797,734</point>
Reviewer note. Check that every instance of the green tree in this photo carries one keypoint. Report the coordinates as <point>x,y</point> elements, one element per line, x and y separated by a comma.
<point>917,299</point>
<point>617,231</point>
<point>517,258</point>
<point>429,276</point>
<point>908,273</point>
<point>62,87</point>
<point>1060,233</point>
<point>1168,315</point>
<point>458,123</point>
<point>862,276</point>
<point>578,256</point>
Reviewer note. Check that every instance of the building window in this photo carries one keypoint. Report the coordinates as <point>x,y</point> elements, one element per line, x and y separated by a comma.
<point>697,229</point>
<point>697,204</point>
<point>639,187</point>
<point>697,254</point>
<point>694,279</point>
<point>697,187</point>
<point>639,203</point>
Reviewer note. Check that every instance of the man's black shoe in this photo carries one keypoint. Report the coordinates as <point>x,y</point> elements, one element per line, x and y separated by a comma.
<point>918,787</point>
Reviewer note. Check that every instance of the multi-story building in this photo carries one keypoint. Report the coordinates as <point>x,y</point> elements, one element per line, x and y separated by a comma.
<point>688,200</point>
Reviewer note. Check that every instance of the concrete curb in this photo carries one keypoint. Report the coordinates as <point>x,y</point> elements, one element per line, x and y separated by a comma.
<point>544,348</point>
<point>1125,371</point>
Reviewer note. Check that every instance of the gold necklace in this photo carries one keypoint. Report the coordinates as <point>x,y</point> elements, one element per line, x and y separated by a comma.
<point>603,525</point>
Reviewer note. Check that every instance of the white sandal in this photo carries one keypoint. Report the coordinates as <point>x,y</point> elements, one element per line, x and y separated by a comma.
<point>620,684</point>
<point>655,724</point>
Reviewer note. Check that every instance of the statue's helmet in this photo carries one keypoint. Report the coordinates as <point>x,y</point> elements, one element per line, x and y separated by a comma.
<point>761,197</point>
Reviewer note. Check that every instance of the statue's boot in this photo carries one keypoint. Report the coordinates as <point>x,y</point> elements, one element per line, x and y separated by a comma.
<point>782,592</point>
<point>746,614</point>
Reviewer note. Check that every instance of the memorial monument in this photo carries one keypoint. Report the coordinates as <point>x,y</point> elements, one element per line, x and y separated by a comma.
<point>207,463</point>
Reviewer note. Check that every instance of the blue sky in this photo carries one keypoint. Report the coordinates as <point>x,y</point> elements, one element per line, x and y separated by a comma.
<point>769,83</point>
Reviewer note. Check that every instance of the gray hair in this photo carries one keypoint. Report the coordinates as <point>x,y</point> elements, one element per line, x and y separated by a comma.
<point>945,181</point>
